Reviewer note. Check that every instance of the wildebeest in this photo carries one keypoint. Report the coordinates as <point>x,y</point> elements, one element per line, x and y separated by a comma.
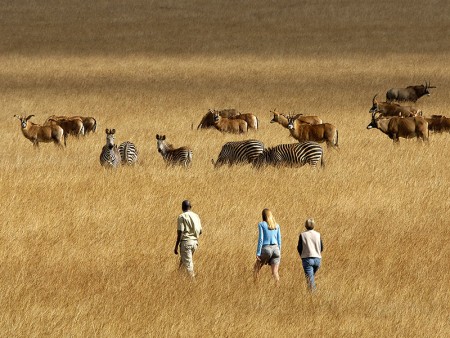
<point>37,133</point>
<point>393,109</point>
<point>396,127</point>
<point>208,119</point>
<point>227,125</point>
<point>410,93</point>
<point>438,123</point>
<point>325,132</point>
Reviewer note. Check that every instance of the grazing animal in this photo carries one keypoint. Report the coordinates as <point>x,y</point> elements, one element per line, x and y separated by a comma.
<point>251,119</point>
<point>283,120</point>
<point>405,127</point>
<point>239,152</point>
<point>410,93</point>
<point>110,156</point>
<point>208,119</point>
<point>325,132</point>
<point>294,154</point>
<point>438,123</point>
<point>128,153</point>
<point>171,155</point>
<point>37,133</point>
<point>393,109</point>
<point>71,125</point>
<point>226,125</point>
<point>89,123</point>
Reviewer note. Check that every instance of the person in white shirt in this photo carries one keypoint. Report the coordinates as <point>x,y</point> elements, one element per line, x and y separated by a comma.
<point>189,228</point>
<point>309,248</point>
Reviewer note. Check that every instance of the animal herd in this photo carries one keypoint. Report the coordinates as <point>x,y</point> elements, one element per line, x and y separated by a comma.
<point>397,121</point>
<point>393,119</point>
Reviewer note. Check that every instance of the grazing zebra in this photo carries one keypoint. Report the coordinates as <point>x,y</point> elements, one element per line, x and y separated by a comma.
<point>128,153</point>
<point>182,156</point>
<point>295,154</point>
<point>239,152</point>
<point>110,156</point>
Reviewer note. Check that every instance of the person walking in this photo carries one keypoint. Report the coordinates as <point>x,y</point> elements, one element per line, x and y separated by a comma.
<point>189,228</point>
<point>268,250</point>
<point>309,248</point>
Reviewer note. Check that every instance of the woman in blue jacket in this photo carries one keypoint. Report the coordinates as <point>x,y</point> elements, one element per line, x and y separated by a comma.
<point>268,250</point>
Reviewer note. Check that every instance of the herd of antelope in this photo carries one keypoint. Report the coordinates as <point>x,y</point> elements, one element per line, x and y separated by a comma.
<point>392,118</point>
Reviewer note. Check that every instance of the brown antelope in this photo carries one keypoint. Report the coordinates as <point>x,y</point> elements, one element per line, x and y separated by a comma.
<point>393,109</point>
<point>405,127</point>
<point>37,133</point>
<point>71,126</point>
<point>283,120</point>
<point>208,119</point>
<point>325,132</point>
<point>251,119</point>
<point>438,123</point>
<point>89,123</point>
<point>226,125</point>
<point>410,93</point>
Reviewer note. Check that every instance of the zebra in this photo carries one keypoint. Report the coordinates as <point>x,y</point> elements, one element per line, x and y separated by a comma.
<point>239,152</point>
<point>128,152</point>
<point>181,156</point>
<point>294,154</point>
<point>110,156</point>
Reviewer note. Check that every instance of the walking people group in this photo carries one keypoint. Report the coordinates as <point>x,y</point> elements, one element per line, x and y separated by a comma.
<point>268,249</point>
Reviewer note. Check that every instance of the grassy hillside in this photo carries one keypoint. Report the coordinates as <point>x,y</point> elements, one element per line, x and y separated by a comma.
<point>89,252</point>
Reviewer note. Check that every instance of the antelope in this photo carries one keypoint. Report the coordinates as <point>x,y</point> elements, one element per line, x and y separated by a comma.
<point>227,125</point>
<point>410,93</point>
<point>89,123</point>
<point>438,123</point>
<point>71,125</point>
<point>325,132</point>
<point>393,109</point>
<point>405,127</point>
<point>37,133</point>
<point>283,120</point>
<point>208,119</point>
<point>251,119</point>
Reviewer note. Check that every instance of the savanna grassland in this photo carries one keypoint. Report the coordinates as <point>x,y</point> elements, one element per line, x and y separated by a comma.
<point>87,252</point>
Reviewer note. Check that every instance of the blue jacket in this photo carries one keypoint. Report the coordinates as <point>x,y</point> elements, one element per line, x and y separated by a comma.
<point>267,236</point>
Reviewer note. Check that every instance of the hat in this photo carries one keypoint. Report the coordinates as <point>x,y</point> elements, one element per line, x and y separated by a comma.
<point>186,205</point>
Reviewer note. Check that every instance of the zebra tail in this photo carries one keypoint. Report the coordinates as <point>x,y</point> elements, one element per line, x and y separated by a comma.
<point>337,138</point>
<point>65,138</point>
<point>94,129</point>
<point>322,162</point>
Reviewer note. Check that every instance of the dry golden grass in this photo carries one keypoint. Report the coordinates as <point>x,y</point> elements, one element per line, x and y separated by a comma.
<point>88,252</point>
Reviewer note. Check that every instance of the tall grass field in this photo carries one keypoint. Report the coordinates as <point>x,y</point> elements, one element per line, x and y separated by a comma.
<point>88,252</point>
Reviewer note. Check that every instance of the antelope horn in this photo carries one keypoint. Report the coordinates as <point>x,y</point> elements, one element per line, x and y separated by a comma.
<point>373,100</point>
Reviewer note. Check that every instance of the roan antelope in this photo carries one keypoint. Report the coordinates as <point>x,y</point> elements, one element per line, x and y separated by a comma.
<point>405,127</point>
<point>410,93</point>
<point>393,109</point>
<point>37,133</point>
<point>226,125</point>
<point>325,132</point>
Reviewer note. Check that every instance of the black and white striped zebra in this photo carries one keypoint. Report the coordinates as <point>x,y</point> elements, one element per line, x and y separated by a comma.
<point>180,156</point>
<point>110,156</point>
<point>128,152</point>
<point>239,152</point>
<point>294,154</point>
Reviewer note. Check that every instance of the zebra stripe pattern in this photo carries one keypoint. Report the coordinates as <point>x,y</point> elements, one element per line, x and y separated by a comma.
<point>181,156</point>
<point>128,153</point>
<point>295,154</point>
<point>239,152</point>
<point>110,156</point>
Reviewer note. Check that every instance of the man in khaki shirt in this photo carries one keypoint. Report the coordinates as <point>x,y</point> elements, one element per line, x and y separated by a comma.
<point>189,228</point>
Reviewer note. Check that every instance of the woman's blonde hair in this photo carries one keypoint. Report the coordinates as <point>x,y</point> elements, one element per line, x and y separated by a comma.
<point>268,217</point>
